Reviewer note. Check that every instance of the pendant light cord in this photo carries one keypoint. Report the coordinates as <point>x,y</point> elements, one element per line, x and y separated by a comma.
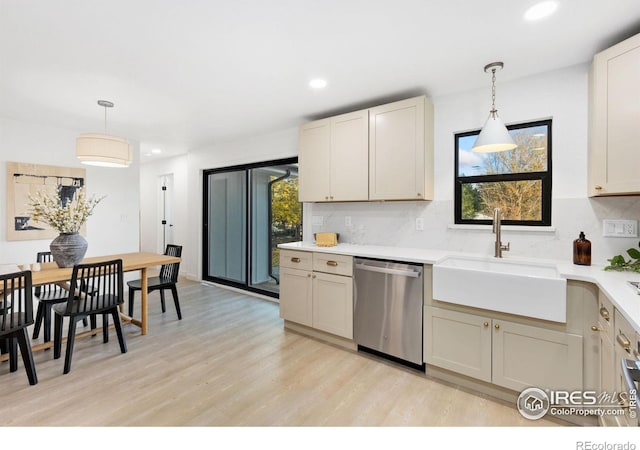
<point>493,111</point>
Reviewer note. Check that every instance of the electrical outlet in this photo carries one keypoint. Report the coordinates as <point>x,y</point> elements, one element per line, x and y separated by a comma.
<point>347,221</point>
<point>317,220</point>
<point>620,228</point>
<point>419,224</point>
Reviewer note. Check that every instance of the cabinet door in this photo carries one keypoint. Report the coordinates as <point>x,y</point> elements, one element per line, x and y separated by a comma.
<point>350,157</point>
<point>333,304</point>
<point>400,152</point>
<point>615,115</point>
<point>526,356</point>
<point>458,341</point>
<point>605,327</point>
<point>607,366</point>
<point>625,347</point>
<point>296,295</point>
<point>314,160</point>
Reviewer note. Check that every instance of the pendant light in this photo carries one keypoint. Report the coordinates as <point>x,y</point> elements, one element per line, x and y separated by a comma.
<point>103,149</point>
<point>494,136</point>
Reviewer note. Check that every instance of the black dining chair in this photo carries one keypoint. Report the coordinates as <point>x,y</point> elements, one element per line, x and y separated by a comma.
<point>47,295</point>
<point>167,279</point>
<point>16,314</point>
<point>95,289</point>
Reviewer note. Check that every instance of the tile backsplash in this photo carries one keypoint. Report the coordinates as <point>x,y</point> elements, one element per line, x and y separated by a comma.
<point>394,224</point>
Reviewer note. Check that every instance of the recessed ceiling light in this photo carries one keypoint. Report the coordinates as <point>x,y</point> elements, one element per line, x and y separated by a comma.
<point>540,10</point>
<point>318,83</point>
<point>156,151</point>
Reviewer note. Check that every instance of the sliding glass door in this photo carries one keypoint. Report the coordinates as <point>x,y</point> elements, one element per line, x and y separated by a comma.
<point>227,220</point>
<point>249,210</point>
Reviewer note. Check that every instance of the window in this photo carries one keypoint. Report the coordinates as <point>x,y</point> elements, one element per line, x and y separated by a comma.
<point>248,211</point>
<point>516,181</point>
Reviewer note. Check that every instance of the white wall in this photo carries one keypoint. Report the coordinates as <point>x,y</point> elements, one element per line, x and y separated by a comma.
<point>561,95</point>
<point>114,226</point>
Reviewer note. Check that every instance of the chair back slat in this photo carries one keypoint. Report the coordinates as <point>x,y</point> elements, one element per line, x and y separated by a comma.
<point>170,271</point>
<point>46,289</point>
<point>95,286</point>
<point>16,301</point>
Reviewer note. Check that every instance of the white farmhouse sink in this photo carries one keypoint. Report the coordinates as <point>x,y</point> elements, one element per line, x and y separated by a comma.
<point>516,287</point>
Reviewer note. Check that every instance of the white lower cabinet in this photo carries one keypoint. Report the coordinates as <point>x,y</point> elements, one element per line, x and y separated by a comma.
<point>332,304</point>
<point>458,342</point>
<point>316,290</point>
<point>502,352</point>
<point>296,295</point>
<point>625,347</point>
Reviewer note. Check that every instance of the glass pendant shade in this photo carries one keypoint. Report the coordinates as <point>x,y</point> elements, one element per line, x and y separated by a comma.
<point>103,150</point>
<point>494,137</point>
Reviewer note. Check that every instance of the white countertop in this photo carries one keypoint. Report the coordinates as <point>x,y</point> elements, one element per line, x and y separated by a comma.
<point>613,284</point>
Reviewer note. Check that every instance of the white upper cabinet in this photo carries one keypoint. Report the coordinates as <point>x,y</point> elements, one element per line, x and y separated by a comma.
<point>401,150</point>
<point>350,156</point>
<point>333,159</point>
<point>383,153</point>
<point>314,161</point>
<point>614,119</point>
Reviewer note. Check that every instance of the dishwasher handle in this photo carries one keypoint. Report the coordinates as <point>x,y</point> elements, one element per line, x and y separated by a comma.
<point>389,271</point>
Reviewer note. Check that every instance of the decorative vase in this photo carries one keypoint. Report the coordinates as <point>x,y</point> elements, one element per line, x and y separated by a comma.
<point>68,249</point>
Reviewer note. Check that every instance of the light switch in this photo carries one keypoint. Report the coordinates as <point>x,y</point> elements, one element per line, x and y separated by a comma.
<point>317,220</point>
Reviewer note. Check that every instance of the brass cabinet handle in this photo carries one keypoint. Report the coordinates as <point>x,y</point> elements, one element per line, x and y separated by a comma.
<point>332,263</point>
<point>598,187</point>
<point>595,328</point>
<point>604,313</point>
<point>326,197</point>
<point>314,276</point>
<point>308,275</point>
<point>295,260</point>
<point>624,342</point>
<point>486,324</point>
<point>418,194</point>
<point>497,326</point>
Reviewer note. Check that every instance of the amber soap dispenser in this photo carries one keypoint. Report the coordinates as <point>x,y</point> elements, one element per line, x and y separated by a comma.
<point>582,251</point>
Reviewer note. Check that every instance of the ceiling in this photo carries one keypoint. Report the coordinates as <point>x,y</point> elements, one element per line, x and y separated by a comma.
<point>185,74</point>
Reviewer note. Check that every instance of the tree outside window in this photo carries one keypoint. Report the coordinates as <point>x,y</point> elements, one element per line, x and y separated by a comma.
<point>517,181</point>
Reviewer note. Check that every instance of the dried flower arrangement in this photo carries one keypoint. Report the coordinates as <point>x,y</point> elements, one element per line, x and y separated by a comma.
<point>65,217</point>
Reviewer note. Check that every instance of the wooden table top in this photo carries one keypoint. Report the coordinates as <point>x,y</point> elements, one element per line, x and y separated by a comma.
<point>51,273</point>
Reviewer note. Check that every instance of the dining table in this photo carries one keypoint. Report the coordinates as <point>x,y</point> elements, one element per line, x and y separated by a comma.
<point>142,261</point>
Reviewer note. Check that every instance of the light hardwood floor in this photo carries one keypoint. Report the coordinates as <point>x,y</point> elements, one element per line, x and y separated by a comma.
<point>229,362</point>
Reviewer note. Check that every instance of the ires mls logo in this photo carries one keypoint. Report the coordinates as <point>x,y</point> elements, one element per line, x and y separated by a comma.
<point>534,403</point>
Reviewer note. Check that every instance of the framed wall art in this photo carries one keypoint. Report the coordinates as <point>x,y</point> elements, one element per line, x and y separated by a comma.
<point>24,179</point>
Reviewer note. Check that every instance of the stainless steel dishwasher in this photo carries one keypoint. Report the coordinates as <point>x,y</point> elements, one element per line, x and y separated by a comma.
<point>387,316</point>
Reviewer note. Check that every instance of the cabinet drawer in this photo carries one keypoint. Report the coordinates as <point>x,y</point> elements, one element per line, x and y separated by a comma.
<point>605,315</point>
<point>294,259</point>
<point>336,264</point>
<point>625,338</point>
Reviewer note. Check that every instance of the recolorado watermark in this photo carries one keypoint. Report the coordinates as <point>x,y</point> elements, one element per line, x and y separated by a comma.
<point>590,445</point>
<point>534,403</point>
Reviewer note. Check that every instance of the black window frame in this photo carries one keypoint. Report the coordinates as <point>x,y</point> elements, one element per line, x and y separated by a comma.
<point>544,177</point>
<point>246,285</point>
